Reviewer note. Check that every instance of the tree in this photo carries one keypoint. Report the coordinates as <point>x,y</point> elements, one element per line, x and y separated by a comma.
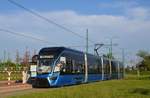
<point>26,58</point>
<point>145,63</point>
<point>9,64</point>
<point>142,53</point>
<point>17,57</point>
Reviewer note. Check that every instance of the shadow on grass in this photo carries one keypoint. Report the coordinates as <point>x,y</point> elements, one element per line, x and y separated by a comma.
<point>65,86</point>
<point>135,77</point>
<point>144,78</point>
<point>142,91</point>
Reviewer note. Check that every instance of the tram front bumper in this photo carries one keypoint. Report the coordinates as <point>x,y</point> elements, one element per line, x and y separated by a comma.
<point>41,82</point>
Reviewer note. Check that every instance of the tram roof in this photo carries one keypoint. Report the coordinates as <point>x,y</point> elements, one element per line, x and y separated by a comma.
<point>57,50</point>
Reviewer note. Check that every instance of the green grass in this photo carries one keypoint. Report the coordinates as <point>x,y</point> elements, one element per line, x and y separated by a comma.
<point>128,88</point>
<point>135,77</point>
<point>134,72</point>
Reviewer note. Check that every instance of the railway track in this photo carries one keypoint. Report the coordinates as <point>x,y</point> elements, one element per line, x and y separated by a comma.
<point>18,89</point>
<point>6,90</point>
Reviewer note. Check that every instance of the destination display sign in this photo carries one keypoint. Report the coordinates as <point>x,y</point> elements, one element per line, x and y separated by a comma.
<point>46,56</point>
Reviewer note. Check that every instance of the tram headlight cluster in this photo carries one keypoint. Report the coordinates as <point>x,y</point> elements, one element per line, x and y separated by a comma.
<point>52,78</point>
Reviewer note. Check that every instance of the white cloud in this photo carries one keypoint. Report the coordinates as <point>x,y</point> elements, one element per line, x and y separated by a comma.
<point>138,13</point>
<point>118,4</point>
<point>133,33</point>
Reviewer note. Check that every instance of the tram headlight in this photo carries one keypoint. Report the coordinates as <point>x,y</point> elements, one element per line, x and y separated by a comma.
<point>52,78</point>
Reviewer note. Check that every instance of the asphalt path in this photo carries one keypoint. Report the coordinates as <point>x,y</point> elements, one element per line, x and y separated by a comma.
<point>12,88</point>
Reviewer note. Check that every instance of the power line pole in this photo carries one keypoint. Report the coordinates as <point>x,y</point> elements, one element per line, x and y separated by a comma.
<point>102,62</point>
<point>85,57</point>
<point>123,62</point>
<point>87,41</point>
<point>110,58</point>
<point>111,54</point>
<point>4,56</point>
<point>111,47</point>
<point>97,47</point>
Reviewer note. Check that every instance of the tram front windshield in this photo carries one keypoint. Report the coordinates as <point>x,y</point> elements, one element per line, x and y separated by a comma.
<point>45,65</point>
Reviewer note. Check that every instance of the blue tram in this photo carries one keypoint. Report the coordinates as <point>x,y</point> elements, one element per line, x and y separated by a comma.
<point>59,66</point>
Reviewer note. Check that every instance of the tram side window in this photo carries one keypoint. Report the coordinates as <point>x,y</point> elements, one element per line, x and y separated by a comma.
<point>106,66</point>
<point>93,66</point>
<point>96,67</point>
<point>73,67</point>
<point>114,67</point>
<point>99,63</point>
<point>90,68</point>
<point>81,64</point>
<point>78,67</point>
<point>121,67</point>
<point>67,68</point>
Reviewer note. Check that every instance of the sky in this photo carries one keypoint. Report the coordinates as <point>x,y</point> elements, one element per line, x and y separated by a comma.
<point>126,22</point>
